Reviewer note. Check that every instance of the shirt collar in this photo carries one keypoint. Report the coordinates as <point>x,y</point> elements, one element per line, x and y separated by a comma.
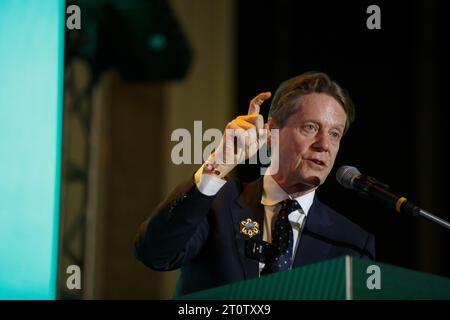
<point>273,194</point>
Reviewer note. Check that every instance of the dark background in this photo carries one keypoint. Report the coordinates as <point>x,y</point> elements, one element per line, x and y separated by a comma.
<point>139,69</point>
<point>394,75</point>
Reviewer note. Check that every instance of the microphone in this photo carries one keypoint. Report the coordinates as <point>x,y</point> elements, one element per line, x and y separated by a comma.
<point>260,250</point>
<point>350,178</point>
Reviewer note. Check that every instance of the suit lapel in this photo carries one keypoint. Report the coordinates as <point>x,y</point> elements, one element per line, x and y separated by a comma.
<point>249,206</point>
<point>312,247</point>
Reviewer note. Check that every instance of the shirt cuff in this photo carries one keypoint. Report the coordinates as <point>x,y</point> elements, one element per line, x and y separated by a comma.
<point>207,184</point>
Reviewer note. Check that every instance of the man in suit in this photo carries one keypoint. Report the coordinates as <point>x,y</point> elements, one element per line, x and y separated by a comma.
<point>204,225</point>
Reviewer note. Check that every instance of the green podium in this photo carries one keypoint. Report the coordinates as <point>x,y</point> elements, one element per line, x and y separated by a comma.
<point>344,278</point>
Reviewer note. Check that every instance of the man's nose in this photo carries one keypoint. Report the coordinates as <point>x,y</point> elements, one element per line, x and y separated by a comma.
<point>322,142</point>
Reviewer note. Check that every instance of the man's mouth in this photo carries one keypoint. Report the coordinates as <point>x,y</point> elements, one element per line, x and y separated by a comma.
<point>318,162</point>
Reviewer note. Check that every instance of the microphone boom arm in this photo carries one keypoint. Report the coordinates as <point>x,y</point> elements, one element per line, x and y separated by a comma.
<point>351,178</point>
<point>401,203</point>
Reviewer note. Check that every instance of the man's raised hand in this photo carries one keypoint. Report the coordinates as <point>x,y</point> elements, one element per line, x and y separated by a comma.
<point>243,137</point>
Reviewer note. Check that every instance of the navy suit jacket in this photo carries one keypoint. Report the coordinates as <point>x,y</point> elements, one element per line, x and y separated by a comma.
<point>200,234</point>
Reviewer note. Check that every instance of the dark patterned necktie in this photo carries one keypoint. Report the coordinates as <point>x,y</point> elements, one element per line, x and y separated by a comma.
<point>282,238</point>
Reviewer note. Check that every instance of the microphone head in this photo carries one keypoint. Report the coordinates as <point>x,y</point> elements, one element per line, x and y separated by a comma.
<point>345,176</point>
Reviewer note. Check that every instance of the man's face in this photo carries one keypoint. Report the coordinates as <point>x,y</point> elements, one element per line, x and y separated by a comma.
<point>309,142</point>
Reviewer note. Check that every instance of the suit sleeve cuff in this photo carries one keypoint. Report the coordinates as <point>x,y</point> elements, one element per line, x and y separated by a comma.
<point>208,185</point>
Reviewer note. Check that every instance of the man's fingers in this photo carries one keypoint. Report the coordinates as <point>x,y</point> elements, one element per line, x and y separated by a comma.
<point>254,119</point>
<point>241,137</point>
<point>257,101</point>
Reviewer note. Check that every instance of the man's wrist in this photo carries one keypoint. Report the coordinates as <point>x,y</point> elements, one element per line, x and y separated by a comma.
<point>208,184</point>
<point>217,169</point>
<point>211,169</point>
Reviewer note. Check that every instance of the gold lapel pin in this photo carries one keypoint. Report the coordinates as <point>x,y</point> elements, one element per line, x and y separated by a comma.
<point>249,228</point>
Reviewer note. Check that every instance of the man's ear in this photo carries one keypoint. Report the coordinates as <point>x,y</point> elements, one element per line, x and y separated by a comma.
<point>271,124</point>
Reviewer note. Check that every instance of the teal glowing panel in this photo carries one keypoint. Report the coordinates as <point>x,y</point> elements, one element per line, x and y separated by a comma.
<point>31,83</point>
